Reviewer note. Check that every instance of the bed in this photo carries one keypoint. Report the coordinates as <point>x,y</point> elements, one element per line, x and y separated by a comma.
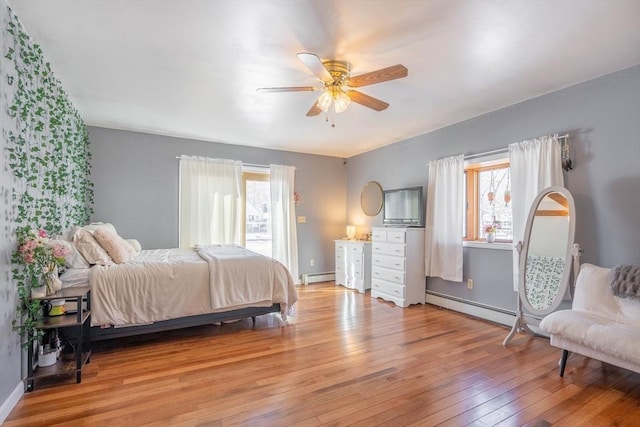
<point>164,289</point>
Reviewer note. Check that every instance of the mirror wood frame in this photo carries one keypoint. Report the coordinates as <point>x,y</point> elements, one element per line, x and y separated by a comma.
<point>564,281</point>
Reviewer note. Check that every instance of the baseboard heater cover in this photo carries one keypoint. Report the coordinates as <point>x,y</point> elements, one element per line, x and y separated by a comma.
<point>308,278</point>
<point>483,311</point>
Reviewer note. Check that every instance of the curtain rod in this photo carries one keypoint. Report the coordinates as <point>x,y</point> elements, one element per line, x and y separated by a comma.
<point>501,150</point>
<point>486,153</point>
<point>253,165</point>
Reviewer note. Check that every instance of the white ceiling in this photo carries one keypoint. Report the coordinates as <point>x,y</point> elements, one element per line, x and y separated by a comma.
<point>190,68</point>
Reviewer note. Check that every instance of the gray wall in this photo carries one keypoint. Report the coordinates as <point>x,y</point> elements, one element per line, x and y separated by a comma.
<point>602,117</point>
<point>10,351</point>
<point>136,189</point>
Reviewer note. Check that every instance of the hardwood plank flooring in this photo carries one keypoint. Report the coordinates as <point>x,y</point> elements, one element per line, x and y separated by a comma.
<point>344,360</point>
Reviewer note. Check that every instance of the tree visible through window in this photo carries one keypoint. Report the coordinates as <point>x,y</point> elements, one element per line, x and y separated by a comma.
<point>488,200</point>
<point>257,212</point>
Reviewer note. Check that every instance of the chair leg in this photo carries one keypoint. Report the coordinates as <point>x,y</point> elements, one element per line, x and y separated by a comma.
<point>563,361</point>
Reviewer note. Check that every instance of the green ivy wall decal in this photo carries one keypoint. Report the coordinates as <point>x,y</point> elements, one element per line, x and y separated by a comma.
<point>47,151</point>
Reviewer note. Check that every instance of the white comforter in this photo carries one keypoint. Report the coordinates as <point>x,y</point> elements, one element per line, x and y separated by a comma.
<point>165,284</point>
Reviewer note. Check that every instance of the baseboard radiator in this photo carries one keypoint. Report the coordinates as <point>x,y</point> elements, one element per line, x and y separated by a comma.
<point>308,278</point>
<point>483,311</point>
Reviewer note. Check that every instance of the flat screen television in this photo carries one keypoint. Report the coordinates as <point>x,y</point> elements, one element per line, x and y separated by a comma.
<point>403,207</point>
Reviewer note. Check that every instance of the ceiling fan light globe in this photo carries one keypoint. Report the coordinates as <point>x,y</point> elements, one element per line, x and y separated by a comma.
<point>324,100</point>
<point>341,101</point>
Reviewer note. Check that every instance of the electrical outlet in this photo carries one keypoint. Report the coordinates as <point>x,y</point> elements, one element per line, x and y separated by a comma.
<point>470,283</point>
<point>312,262</point>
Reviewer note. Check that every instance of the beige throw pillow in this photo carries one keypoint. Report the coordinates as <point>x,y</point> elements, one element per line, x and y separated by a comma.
<point>119,250</point>
<point>106,226</point>
<point>89,248</point>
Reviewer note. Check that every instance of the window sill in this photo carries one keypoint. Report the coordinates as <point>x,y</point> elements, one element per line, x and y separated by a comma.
<point>480,244</point>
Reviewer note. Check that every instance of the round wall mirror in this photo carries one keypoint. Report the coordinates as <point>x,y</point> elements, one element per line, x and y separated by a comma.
<point>371,198</point>
<point>545,262</point>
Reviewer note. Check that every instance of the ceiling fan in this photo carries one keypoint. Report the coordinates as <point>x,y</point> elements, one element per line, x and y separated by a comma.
<point>336,79</point>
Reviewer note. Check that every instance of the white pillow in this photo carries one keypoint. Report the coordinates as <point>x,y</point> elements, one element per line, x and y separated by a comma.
<point>135,245</point>
<point>95,226</point>
<point>90,249</point>
<point>74,259</point>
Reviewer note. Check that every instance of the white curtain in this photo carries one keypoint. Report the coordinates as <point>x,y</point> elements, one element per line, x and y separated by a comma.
<point>535,165</point>
<point>444,222</point>
<point>210,201</point>
<point>283,218</point>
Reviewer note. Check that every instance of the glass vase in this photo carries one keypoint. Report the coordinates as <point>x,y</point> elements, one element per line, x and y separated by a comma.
<point>52,281</point>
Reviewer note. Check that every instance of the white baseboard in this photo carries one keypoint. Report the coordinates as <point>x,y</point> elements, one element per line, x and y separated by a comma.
<point>12,400</point>
<point>318,277</point>
<point>473,310</point>
<point>487,313</point>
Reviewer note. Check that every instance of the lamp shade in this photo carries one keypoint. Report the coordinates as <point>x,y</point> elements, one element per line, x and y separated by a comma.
<point>351,232</point>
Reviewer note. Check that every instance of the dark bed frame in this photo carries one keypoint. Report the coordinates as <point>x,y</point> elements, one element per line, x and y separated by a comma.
<point>97,333</point>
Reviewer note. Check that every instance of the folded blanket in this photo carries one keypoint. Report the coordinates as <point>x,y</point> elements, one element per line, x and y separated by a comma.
<point>625,281</point>
<point>242,278</point>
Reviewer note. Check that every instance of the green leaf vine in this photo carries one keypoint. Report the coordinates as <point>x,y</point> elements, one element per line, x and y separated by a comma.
<point>48,154</point>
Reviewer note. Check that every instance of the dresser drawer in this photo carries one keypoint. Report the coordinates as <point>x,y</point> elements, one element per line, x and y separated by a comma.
<point>355,261</point>
<point>378,235</point>
<point>394,276</point>
<point>340,246</point>
<point>388,249</point>
<point>355,249</point>
<point>394,236</point>
<point>388,261</point>
<point>387,288</point>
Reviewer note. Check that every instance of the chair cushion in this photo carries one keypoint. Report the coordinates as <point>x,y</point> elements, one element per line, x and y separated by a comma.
<point>596,332</point>
<point>593,295</point>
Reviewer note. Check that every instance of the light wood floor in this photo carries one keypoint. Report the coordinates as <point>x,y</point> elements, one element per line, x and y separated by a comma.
<point>347,360</point>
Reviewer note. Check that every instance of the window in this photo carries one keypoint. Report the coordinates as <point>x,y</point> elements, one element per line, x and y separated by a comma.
<point>257,205</point>
<point>488,199</point>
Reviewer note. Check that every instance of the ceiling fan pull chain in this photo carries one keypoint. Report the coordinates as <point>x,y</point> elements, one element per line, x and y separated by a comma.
<point>333,115</point>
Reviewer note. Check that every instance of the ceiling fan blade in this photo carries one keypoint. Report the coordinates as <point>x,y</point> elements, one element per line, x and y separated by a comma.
<point>313,63</point>
<point>390,73</point>
<point>315,110</point>
<point>286,89</point>
<point>366,100</point>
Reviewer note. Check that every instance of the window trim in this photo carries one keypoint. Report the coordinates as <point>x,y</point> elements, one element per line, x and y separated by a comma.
<point>472,170</point>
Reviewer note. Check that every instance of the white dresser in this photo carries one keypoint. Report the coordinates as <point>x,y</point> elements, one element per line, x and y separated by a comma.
<point>353,264</point>
<point>398,265</point>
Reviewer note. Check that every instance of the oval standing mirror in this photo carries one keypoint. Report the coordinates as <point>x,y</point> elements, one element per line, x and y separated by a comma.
<point>371,198</point>
<point>545,259</point>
